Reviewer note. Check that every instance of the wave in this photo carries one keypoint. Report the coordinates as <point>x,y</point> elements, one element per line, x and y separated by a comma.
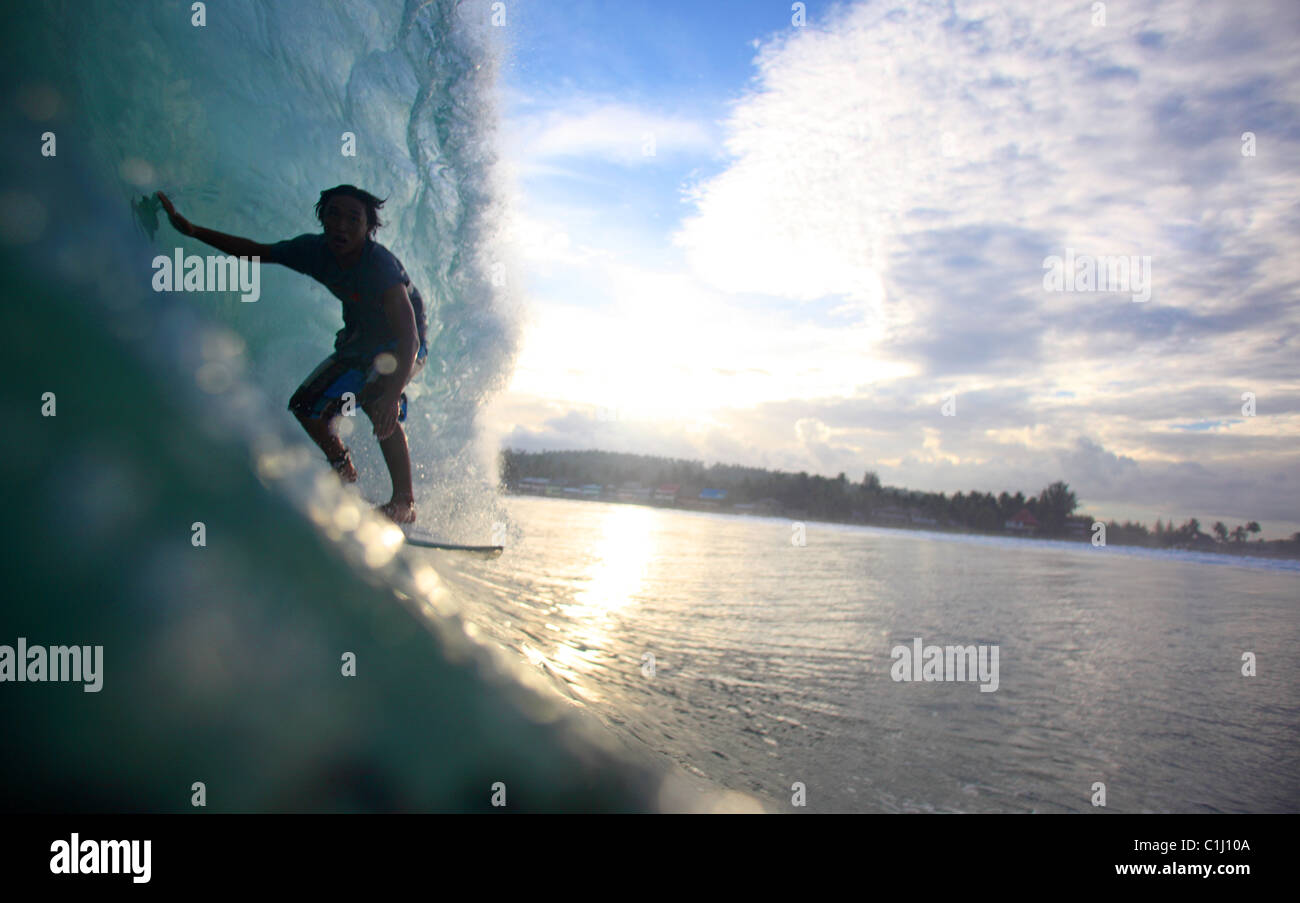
<point>164,505</point>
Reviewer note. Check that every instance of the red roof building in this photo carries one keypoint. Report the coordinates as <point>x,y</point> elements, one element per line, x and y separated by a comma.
<point>1023,521</point>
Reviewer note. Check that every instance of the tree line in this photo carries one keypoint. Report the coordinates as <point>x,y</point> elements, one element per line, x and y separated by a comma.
<point>838,499</point>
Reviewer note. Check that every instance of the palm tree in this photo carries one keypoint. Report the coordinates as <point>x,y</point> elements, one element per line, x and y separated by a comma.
<point>1220,531</point>
<point>1057,503</point>
<point>1253,527</point>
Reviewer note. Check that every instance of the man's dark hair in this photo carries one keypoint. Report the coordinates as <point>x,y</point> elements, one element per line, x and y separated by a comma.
<point>372,204</point>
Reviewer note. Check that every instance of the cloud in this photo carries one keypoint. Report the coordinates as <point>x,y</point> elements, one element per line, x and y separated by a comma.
<point>911,444</point>
<point>546,241</point>
<point>874,240</point>
<point>872,143</point>
<point>584,129</point>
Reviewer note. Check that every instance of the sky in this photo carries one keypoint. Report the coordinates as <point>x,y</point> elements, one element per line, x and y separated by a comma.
<point>841,244</point>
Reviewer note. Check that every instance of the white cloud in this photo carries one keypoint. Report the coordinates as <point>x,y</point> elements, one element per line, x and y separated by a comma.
<point>902,120</point>
<point>612,132</point>
<point>915,164</point>
<point>547,241</point>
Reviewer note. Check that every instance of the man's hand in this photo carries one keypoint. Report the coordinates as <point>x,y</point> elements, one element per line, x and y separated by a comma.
<point>179,223</point>
<point>385,415</point>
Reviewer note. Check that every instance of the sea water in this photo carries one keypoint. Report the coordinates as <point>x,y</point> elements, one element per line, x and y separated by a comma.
<point>772,661</point>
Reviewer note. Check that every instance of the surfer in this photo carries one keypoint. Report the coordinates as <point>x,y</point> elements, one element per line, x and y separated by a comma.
<point>381,345</point>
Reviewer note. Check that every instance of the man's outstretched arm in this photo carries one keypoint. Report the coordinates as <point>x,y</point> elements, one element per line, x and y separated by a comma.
<point>231,244</point>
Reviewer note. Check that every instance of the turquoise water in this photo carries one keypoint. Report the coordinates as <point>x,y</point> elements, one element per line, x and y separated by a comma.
<point>243,122</point>
<point>132,417</point>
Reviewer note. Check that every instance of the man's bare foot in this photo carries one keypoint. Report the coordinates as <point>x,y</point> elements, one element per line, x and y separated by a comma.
<point>344,468</point>
<point>398,511</point>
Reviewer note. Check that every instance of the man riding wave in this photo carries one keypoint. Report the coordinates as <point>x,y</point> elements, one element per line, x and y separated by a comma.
<point>381,346</point>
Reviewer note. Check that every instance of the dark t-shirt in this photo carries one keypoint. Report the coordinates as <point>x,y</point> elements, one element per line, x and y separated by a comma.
<point>360,287</point>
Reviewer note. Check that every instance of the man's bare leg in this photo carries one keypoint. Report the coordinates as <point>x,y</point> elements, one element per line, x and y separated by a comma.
<point>401,507</point>
<point>319,430</point>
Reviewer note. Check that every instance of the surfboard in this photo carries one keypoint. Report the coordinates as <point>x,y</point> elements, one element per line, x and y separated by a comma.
<point>427,542</point>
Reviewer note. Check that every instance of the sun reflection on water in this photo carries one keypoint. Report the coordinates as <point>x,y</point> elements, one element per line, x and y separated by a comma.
<point>620,555</point>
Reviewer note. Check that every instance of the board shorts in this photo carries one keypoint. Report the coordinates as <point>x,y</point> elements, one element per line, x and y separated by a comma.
<point>322,393</point>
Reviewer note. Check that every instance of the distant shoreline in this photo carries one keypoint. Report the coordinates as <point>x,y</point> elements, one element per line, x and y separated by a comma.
<point>1259,548</point>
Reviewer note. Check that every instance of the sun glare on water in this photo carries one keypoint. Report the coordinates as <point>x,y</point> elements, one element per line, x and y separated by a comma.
<point>619,560</point>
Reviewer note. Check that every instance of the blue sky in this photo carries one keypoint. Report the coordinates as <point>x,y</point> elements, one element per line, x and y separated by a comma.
<point>747,241</point>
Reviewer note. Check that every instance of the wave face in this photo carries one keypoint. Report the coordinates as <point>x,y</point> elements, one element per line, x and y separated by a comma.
<point>132,417</point>
<point>244,120</point>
